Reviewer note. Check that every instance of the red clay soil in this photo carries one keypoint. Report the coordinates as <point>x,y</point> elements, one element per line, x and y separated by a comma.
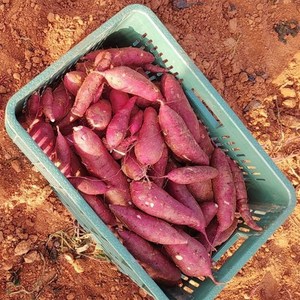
<point>249,50</point>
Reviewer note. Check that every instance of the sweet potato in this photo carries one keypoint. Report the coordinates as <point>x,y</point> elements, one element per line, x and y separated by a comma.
<point>100,208</point>
<point>209,210</point>
<point>148,227</point>
<point>89,92</point>
<point>241,196</point>
<point>177,100</point>
<point>73,81</point>
<point>62,102</point>
<point>132,168</point>
<point>202,191</point>
<point>191,258</point>
<point>223,236</point>
<point>205,141</point>
<point>62,155</point>
<point>99,114</point>
<point>224,190</point>
<point>89,185</point>
<point>117,99</point>
<point>135,122</point>
<point>33,109</point>
<point>178,137</point>
<point>77,168</point>
<point>130,81</point>
<point>150,143</point>
<point>47,104</point>
<point>154,68</point>
<point>118,126</point>
<point>103,61</point>
<point>159,267</point>
<point>190,174</point>
<point>101,164</point>
<point>156,202</point>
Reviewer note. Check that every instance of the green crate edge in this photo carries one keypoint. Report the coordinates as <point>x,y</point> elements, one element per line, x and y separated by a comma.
<point>46,167</point>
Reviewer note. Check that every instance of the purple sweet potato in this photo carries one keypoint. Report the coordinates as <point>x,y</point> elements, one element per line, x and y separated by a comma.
<point>224,190</point>
<point>89,92</point>
<point>42,133</point>
<point>62,154</point>
<point>178,137</point>
<point>100,208</point>
<point>148,227</point>
<point>241,196</point>
<point>177,100</point>
<point>101,164</point>
<point>73,81</point>
<point>156,202</point>
<point>202,191</point>
<point>99,114</point>
<point>150,144</point>
<point>62,102</point>
<point>118,126</point>
<point>209,210</point>
<point>77,168</point>
<point>33,109</point>
<point>103,61</point>
<point>130,81</point>
<point>190,174</point>
<point>117,99</point>
<point>226,234</point>
<point>132,168</point>
<point>159,267</point>
<point>89,185</point>
<point>136,122</point>
<point>154,68</point>
<point>191,258</point>
<point>205,140</point>
<point>47,104</point>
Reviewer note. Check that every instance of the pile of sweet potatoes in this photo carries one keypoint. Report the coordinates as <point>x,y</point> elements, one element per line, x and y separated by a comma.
<point>140,157</point>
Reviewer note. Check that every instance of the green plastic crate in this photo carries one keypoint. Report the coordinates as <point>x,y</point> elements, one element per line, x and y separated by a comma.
<point>271,196</point>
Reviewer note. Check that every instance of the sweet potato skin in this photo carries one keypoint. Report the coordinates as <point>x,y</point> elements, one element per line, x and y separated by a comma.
<point>202,191</point>
<point>89,185</point>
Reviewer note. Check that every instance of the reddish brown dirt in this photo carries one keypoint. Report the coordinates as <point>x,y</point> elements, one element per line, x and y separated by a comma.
<point>235,45</point>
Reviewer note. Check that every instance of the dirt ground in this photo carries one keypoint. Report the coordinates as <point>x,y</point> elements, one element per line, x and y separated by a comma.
<point>250,52</point>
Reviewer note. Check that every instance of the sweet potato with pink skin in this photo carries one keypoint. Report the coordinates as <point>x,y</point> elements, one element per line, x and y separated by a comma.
<point>99,114</point>
<point>150,143</point>
<point>85,66</point>
<point>89,185</point>
<point>42,133</point>
<point>128,56</point>
<point>33,109</point>
<point>73,81</point>
<point>103,61</point>
<point>159,267</point>
<point>130,81</point>
<point>62,155</point>
<point>100,208</point>
<point>224,190</point>
<point>177,100</point>
<point>154,68</point>
<point>205,140</point>
<point>191,258</point>
<point>47,104</point>
<point>156,202</point>
<point>209,210</point>
<point>88,93</point>
<point>77,168</point>
<point>118,126</point>
<point>241,196</point>
<point>202,191</point>
<point>178,137</point>
<point>148,227</point>
<point>135,122</point>
<point>158,170</point>
<point>132,168</point>
<point>190,174</point>
<point>226,234</point>
<point>62,102</point>
<point>117,99</point>
<point>101,164</point>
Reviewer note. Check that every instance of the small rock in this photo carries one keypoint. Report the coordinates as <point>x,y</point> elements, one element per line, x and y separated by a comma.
<point>22,248</point>
<point>3,89</point>
<point>289,103</point>
<point>230,43</point>
<point>36,60</point>
<point>290,121</point>
<point>31,257</point>
<point>243,77</point>
<point>71,296</point>
<point>15,164</point>
<point>142,292</point>
<point>51,17</point>
<point>288,92</point>
<point>17,76</point>
<point>6,266</point>
<point>232,25</point>
<point>259,6</point>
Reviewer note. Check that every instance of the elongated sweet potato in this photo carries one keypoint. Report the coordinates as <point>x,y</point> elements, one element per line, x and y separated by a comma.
<point>101,208</point>
<point>89,185</point>
<point>89,92</point>
<point>118,126</point>
<point>47,104</point>
<point>224,190</point>
<point>178,137</point>
<point>205,141</point>
<point>33,109</point>
<point>103,61</point>
<point>62,102</point>
<point>241,196</point>
<point>148,227</point>
<point>209,210</point>
<point>136,122</point>
<point>159,267</point>
<point>150,143</point>
<point>191,258</point>
<point>117,99</point>
<point>190,174</point>
<point>73,81</point>
<point>130,81</point>
<point>99,114</point>
<point>101,164</point>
